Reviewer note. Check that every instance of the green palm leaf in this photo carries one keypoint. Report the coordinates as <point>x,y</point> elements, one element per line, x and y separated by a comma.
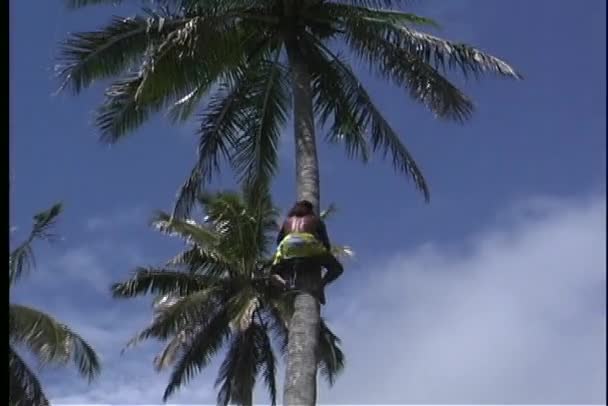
<point>238,371</point>
<point>204,345</point>
<point>24,387</point>
<point>331,358</point>
<point>161,281</point>
<point>184,314</point>
<point>90,56</point>
<point>51,341</point>
<point>173,348</point>
<point>218,133</point>
<point>382,135</point>
<point>267,363</point>
<point>21,260</point>
<point>120,112</point>
<point>84,3</point>
<point>365,34</point>
<point>188,230</point>
<point>255,159</point>
<point>365,14</point>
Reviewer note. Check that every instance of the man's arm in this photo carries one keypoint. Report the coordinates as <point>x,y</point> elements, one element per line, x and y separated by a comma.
<point>281,234</point>
<point>323,237</point>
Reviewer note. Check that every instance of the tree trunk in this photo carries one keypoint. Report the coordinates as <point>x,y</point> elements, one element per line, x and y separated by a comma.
<point>300,387</point>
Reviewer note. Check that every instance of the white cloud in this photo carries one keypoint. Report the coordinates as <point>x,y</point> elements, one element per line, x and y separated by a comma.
<point>514,315</point>
<point>132,216</point>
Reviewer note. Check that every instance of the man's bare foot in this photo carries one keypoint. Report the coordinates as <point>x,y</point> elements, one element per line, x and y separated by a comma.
<point>277,281</point>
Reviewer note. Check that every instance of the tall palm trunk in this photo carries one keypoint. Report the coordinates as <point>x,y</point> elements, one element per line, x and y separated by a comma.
<point>301,373</point>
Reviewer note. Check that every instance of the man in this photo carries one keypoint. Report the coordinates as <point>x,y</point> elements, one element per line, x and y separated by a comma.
<point>303,235</point>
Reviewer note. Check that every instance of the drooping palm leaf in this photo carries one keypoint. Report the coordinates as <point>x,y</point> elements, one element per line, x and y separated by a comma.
<point>267,363</point>
<point>100,54</point>
<point>172,349</point>
<point>24,387</point>
<point>51,341</point>
<point>21,260</point>
<point>204,345</point>
<point>161,281</point>
<point>331,358</point>
<point>256,158</point>
<point>84,3</point>
<point>382,136</point>
<point>184,314</point>
<point>239,369</point>
<point>188,230</point>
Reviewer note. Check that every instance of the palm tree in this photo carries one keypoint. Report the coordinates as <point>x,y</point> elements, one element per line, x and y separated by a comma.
<point>212,295</point>
<point>49,340</point>
<point>257,60</point>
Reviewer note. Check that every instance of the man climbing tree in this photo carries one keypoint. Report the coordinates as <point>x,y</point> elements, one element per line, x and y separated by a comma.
<point>304,236</point>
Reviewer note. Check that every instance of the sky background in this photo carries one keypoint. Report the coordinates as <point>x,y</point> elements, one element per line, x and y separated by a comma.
<point>493,293</point>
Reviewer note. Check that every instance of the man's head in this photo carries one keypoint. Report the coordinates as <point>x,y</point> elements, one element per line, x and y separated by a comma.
<point>301,208</point>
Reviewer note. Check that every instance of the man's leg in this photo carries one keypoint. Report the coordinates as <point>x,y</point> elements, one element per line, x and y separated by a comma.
<point>333,267</point>
<point>277,275</point>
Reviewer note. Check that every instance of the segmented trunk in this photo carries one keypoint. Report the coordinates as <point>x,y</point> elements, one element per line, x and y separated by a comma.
<point>301,373</point>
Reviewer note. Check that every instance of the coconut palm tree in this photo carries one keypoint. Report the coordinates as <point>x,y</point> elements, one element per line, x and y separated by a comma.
<point>258,61</point>
<point>213,295</point>
<point>50,341</point>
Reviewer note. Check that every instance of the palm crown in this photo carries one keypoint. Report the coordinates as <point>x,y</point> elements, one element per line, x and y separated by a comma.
<point>236,51</point>
<point>212,295</point>
<point>49,340</point>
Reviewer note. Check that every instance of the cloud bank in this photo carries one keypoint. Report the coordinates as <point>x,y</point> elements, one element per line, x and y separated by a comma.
<point>516,314</point>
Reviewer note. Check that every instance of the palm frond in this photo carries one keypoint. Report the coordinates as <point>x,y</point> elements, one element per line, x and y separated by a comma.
<point>218,132</point>
<point>51,341</point>
<point>186,229</point>
<point>183,109</point>
<point>204,262</point>
<point>371,14</point>
<point>120,112</point>
<point>237,374</point>
<point>237,225</point>
<point>203,346</point>
<point>173,70</point>
<point>255,158</point>
<point>160,81</point>
<point>266,361</point>
<point>406,70</point>
<point>172,349</point>
<point>187,312</point>
<point>161,281</point>
<point>21,260</point>
<point>85,3</point>
<point>226,116</point>
<point>327,213</point>
<point>24,387</point>
<point>372,3</point>
<point>331,101</point>
<point>342,251</point>
<point>258,200</point>
<point>382,135</point>
<point>89,56</point>
<point>277,313</point>
<point>364,36</point>
<point>331,358</point>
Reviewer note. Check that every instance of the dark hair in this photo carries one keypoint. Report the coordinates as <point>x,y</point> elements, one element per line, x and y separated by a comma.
<point>301,209</point>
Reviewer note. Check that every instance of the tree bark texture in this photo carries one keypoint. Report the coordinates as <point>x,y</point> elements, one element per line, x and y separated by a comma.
<point>300,387</point>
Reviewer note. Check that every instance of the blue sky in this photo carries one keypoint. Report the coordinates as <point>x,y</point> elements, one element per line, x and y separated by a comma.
<point>499,280</point>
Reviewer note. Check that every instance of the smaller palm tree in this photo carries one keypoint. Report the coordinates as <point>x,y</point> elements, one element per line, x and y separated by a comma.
<point>213,295</point>
<point>49,340</point>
